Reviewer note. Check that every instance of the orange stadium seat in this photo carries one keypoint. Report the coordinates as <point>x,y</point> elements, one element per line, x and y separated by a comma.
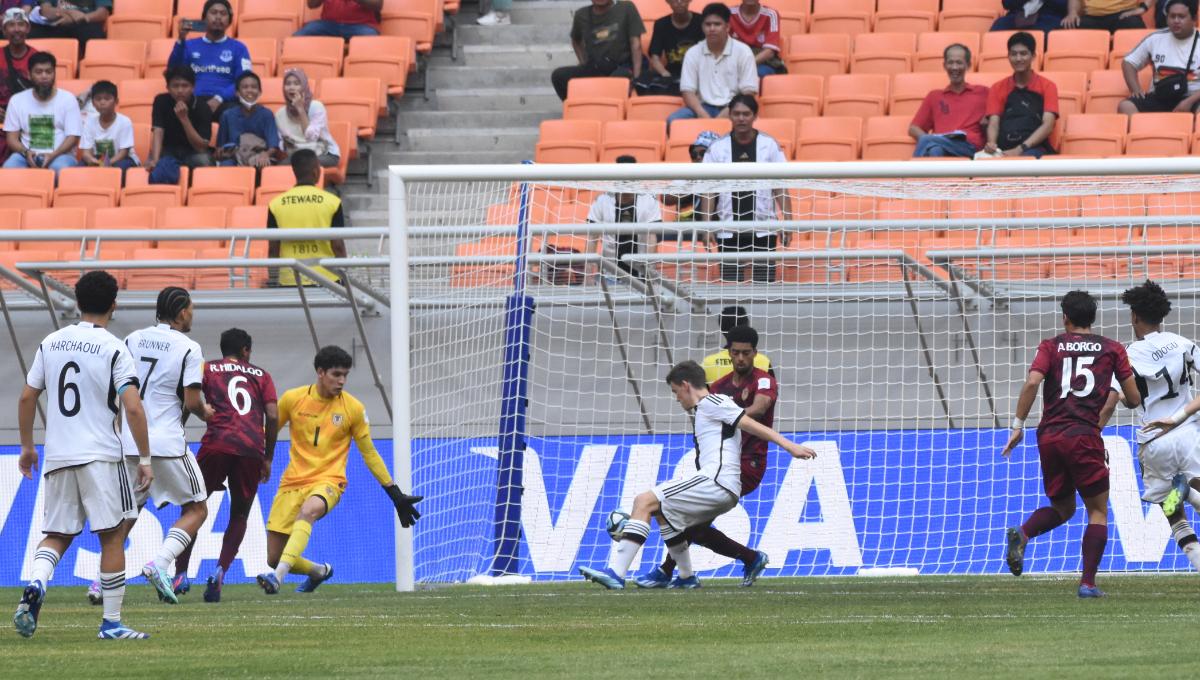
<point>84,187</point>
<point>1095,134</point>
<point>194,218</point>
<point>886,138</point>
<point>75,86</point>
<point>791,22</point>
<point>194,9</point>
<point>114,60</point>
<point>644,139</point>
<point>850,17</point>
<point>412,18</point>
<point>9,260</point>
<point>883,53</point>
<point>138,192</point>
<point>1046,206</point>
<point>568,141</point>
<point>910,89</point>
<point>1159,134</point>
<point>472,275</point>
<point>1076,50</point>
<point>930,48</point>
<point>264,55</point>
<point>389,58</point>
<point>319,56</point>
<point>272,95</point>
<point>1072,88</point>
<point>820,55</point>
<point>861,95</point>
<point>1107,89</point>
<point>829,138</point>
<point>654,107</point>
<point>969,16</point>
<point>905,16</point>
<point>140,20</point>
<point>221,186</point>
<point>696,272</point>
<point>65,51</point>
<point>137,98</point>
<point>159,278</point>
<point>276,19</point>
<point>274,181</point>
<point>684,134</point>
<point>1124,206</point>
<point>158,51</point>
<point>26,188</point>
<point>139,217</point>
<point>1123,42</point>
<point>987,78</point>
<point>792,96</point>
<point>1174,205</point>
<point>348,144</point>
<point>354,100</point>
<point>596,98</point>
<point>56,219</point>
<point>783,130</point>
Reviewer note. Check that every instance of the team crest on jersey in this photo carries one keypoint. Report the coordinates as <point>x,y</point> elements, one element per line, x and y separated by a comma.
<point>337,420</point>
<point>227,56</point>
<point>745,393</point>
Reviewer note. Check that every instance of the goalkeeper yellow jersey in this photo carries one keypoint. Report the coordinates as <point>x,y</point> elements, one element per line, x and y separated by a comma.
<point>718,365</point>
<point>321,431</point>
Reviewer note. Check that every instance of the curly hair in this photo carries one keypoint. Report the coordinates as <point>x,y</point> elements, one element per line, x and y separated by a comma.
<point>1149,301</point>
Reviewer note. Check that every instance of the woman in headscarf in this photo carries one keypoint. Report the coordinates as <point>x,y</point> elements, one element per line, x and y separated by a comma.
<point>302,121</point>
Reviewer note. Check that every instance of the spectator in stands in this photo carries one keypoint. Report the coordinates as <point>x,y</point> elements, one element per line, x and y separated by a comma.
<point>108,135</point>
<point>746,145</point>
<point>716,70</point>
<point>216,58</point>
<point>672,37</point>
<point>607,37</point>
<point>1175,62</point>
<point>344,18</point>
<point>499,13</point>
<point>82,20</point>
<point>304,206</point>
<point>1022,107</point>
<point>625,207</point>
<point>950,120</point>
<point>1108,15</point>
<point>758,27</point>
<point>1040,15</point>
<point>14,70</point>
<point>181,127</point>
<point>248,135</point>
<point>685,204</point>
<point>42,123</point>
<point>302,121</point>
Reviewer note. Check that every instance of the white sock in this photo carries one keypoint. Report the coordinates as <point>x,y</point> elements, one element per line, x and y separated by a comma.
<point>113,588</point>
<point>44,562</point>
<point>173,545</point>
<point>631,542</point>
<point>683,558</point>
<point>1192,551</point>
<point>282,570</point>
<point>1193,499</point>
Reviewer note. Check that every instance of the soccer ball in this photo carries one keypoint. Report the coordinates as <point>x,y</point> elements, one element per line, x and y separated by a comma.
<point>616,523</point>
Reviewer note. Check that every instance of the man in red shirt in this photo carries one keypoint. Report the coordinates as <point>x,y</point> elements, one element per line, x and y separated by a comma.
<point>950,120</point>
<point>344,18</point>
<point>1022,108</point>
<point>14,71</point>
<point>1074,370</point>
<point>758,27</point>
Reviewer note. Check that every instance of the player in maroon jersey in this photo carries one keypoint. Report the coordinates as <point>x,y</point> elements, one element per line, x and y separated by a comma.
<point>1077,368</point>
<point>238,445</point>
<point>756,391</point>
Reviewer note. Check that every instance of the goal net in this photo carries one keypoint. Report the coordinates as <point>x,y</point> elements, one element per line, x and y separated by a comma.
<point>899,304</point>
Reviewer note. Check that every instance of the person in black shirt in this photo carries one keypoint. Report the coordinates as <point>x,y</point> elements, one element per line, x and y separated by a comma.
<point>182,128</point>
<point>673,35</point>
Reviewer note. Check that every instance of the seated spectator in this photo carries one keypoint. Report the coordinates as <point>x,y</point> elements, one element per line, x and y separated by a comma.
<point>42,123</point>
<point>82,20</point>
<point>1176,65</point>
<point>715,70</point>
<point>499,14</point>
<point>181,125</point>
<point>14,70</point>
<point>758,27</point>
<point>344,18</point>
<point>746,145</point>
<point>673,36</point>
<point>607,37</point>
<point>108,135</point>
<point>950,120</point>
<point>610,207</point>
<point>1108,15</point>
<point>248,135</point>
<point>685,204</point>
<point>302,122</point>
<point>1040,15</point>
<point>216,59</point>
<point>1022,107</point>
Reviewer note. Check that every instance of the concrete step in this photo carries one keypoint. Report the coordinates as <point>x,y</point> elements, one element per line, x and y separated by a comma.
<point>557,32</point>
<point>530,56</point>
<point>450,158</point>
<point>475,119</point>
<point>473,77</point>
<point>478,139</point>
<point>539,97</point>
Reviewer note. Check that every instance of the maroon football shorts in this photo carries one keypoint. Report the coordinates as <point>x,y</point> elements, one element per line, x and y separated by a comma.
<point>1073,463</point>
<point>241,473</point>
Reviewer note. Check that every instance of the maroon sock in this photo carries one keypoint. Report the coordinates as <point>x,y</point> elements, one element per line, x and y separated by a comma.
<point>1095,537</point>
<point>231,542</point>
<point>714,540</point>
<point>1041,521</point>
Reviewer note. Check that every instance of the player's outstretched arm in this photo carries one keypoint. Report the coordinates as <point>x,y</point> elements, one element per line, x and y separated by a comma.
<point>406,508</point>
<point>135,416</point>
<point>1165,425</point>
<point>761,431</point>
<point>193,401</point>
<point>26,409</point>
<point>1024,404</point>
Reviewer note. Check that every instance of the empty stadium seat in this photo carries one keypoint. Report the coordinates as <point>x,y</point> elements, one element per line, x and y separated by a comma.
<point>264,55</point>
<point>684,133</point>
<point>276,19</point>
<point>1095,134</point>
<point>348,143</point>
<point>389,58</point>
<point>931,46</point>
<point>54,219</point>
<point>695,272</point>
<point>861,95</point>
<point>652,107</point>
<point>158,51</point>
<point>820,55</point>
<point>125,218</point>
<point>137,98</point>
<point>319,56</point>
<point>414,19</point>
<point>139,20</point>
<point>987,78</point>
<point>596,98</point>
<point>1123,41</point>
<point>26,188</point>
<point>10,258</point>
<point>849,17</point>
<point>1107,89</point>
<point>1076,50</point>
<point>84,187</point>
<point>969,16</point>
<point>161,277</point>
<point>1159,134</point>
<point>910,89</point>
<point>883,53</point>
<point>195,218</point>
<point>644,139</point>
<point>783,130</point>
<point>829,138</point>
<point>354,100</point>
<point>886,138</point>
<point>905,16</point>
<point>568,141</point>
<point>114,60</point>
<point>221,186</point>
<point>1072,89</point>
<point>138,191</point>
<point>274,181</point>
<point>792,96</point>
<point>472,275</point>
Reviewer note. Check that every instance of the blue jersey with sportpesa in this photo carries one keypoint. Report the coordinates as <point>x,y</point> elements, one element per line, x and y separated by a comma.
<point>217,64</point>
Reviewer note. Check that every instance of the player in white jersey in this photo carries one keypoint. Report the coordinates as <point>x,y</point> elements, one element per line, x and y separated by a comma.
<point>697,498</point>
<point>86,372</point>
<point>170,368</point>
<point>1163,364</point>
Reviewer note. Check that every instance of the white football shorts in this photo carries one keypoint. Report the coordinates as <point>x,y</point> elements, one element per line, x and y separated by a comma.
<point>99,492</point>
<point>1173,453</point>
<point>692,501</point>
<point>177,481</point>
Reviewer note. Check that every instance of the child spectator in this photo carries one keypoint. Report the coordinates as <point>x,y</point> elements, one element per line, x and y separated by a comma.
<point>182,126</point>
<point>248,135</point>
<point>108,136</point>
<point>302,121</point>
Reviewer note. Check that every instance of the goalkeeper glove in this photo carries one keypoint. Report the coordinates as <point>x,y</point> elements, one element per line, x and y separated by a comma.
<point>405,505</point>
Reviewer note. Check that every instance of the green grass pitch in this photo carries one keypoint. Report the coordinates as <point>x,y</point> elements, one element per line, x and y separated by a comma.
<point>921,627</point>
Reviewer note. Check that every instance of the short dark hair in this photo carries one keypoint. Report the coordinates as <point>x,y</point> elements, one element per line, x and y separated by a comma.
<point>179,72</point>
<point>95,291</point>
<point>107,87</point>
<point>717,9</point>
<point>688,372</point>
<point>247,74</point>
<point>1022,38</point>
<point>1149,301</point>
<point>1080,308</point>
<point>746,100</point>
<point>172,300</point>
<point>966,50</point>
<point>733,315</point>
<point>40,58</point>
<point>626,158</point>
<point>233,341</point>
<point>305,165</point>
<point>745,334</point>
<point>1189,4</point>
<point>208,5</point>
<point>332,356</point>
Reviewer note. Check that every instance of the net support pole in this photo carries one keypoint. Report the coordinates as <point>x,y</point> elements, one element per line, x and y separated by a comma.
<point>510,462</point>
<point>937,381</point>
<point>401,378</point>
<point>970,335</point>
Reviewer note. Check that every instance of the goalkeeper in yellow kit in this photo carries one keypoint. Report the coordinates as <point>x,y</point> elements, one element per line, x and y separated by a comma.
<point>323,420</point>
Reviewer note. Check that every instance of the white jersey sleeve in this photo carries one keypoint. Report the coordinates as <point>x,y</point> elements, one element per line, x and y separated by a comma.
<point>1163,366</point>
<point>168,361</point>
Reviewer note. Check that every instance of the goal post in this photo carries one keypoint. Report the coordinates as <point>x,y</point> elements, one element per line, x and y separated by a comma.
<point>900,303</point>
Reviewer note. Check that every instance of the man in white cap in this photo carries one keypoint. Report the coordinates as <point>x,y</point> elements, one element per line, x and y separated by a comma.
<point>14,70</point>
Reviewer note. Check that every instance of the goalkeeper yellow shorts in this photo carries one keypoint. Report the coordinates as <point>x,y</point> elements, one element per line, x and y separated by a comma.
<point>286,506</point>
